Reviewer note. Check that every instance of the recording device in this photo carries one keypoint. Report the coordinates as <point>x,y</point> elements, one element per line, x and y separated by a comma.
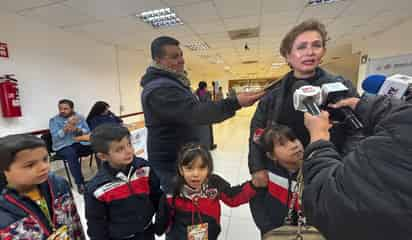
<point>396,86</point>
<point>307,98</point>
<point>334,92</point>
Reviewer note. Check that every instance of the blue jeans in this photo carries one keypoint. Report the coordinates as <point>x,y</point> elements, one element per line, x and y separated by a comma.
<point>72,154</point>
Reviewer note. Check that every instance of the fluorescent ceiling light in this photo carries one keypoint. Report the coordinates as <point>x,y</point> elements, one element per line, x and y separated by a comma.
<point>197,45</point>
<point>163,17</point>
<point>319,2</point>
<point>278,64</point>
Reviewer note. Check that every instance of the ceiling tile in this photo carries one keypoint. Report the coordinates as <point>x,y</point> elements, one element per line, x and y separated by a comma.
<point>271,6</point>
<point>283,18</point>
<point>237,8</point>
<point>14,6</point>
<point>325,11</point>
<point>103,9</point>
<point>241,22</point>
<point>211,27</point>
<point>175,3</point>
<point>202,12</point>
<point>57,15</point>
<point>177,31</point>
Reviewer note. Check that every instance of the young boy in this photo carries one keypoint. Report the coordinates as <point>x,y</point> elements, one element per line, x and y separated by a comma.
<point>124,195</point>
<point>285,154</point>
<point>34,204</point>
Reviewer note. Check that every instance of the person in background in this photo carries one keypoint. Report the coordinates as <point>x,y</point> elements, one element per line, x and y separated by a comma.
<point>219,94</point>
<point>34,203</point>
<point>173,114</point>
<point>64,128</point>
<point>100,113</point>
<point>204,96</point>
<point>303,48</point>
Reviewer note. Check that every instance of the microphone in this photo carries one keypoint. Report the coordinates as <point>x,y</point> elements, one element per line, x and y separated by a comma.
<point>395,86</point>
<point>334,92</point>
<point>306,98</point>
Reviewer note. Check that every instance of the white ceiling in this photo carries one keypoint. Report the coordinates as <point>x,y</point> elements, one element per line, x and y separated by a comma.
<point>113,22</point>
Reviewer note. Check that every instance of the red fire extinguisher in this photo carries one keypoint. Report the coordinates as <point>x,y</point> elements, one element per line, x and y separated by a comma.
<point>9,96</point>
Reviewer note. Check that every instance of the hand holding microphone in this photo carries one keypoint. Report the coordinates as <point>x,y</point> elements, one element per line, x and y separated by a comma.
<point>307,98</point>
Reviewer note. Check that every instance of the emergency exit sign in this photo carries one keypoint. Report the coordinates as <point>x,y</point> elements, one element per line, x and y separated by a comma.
<point>4,51</point>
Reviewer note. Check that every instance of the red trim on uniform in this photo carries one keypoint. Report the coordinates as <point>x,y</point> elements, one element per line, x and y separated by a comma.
<point>54,219</point>
<point>281,194</point>
<point>243,197</point>
<point>139,186</point>
<point>15,202</point>
<point>206,206</point>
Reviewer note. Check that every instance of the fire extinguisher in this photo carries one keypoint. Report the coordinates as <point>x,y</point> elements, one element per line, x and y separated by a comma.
<point>9,96</point>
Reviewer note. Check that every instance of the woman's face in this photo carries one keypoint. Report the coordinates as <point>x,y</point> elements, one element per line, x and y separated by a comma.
<point>306,54</point>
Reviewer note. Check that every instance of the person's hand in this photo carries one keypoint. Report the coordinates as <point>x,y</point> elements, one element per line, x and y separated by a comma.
<point>260,178</point>
<point>248,99</point>
<point>348,102</point>
<point>69,128</point>
<point>318,126</point>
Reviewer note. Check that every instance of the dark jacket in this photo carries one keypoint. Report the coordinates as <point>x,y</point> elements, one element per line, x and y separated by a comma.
<point>101,119</point>
<point>21,218</point>
<point>367,193</point>
<point>174,116</point>
<point>177,213</point>
<point>277,107</point>
<point>121,205</point>
<point>270,206</point>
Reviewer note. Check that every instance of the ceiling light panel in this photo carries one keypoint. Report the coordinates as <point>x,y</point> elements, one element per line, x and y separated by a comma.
<point>197,45</point>
<point>164,17</point>
<point>320,2</point>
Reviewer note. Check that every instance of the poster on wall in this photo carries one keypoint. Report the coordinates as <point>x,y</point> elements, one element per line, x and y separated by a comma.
<point>388,66</point>
<point>4,51</point>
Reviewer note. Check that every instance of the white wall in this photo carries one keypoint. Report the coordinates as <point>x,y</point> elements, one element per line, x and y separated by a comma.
<point>51,64</point>
<point>393,42</point>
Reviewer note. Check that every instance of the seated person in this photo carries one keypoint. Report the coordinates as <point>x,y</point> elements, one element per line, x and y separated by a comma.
<point>64,128</point>
<point>270,205</point>
<point>34,204</point>
<point>100,114</point>
<point>124,195</point>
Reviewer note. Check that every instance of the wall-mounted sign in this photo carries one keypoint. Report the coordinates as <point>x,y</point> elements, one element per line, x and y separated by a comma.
<point>4,51</point>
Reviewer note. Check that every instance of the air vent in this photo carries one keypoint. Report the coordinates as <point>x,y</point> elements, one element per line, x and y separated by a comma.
<point>244,33</point>
<point>250,61</point>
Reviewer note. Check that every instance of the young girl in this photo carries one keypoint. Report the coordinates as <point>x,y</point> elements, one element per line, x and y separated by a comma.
<point>285,154</point>
<point>192,210</point>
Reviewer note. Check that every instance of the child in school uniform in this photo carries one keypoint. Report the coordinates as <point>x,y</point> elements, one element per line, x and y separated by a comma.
<point>192,209</point>
<point>270,206</point>
<point>123,197</point>
<point>34,203</point>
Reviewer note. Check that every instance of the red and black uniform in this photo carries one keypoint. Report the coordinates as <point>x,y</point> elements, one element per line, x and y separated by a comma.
<point>177,213</point>
<point>120,204</point>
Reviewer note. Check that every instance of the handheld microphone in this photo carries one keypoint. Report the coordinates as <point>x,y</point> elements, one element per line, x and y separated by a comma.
<point>394,86</point>
<point>334,92</point>
<point>307,98</point>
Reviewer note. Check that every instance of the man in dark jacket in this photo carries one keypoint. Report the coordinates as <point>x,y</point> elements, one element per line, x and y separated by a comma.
<point>173,114</point>
<point>365,194</point>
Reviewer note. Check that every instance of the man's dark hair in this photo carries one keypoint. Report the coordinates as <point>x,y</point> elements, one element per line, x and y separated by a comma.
<point>12,144</point>
<point>67,101</point>
<point>277,134</point>
<point>202,85</point>
<point>158,44</point>
<point>103,135</point>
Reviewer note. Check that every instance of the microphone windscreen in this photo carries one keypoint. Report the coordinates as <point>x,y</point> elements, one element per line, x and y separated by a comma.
<point>298,84</point>
<point>373,83</point>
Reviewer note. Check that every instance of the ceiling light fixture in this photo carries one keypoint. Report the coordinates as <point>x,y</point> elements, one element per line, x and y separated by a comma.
<point>164,17</point>
<point>319,2</point>
<point>197,45</point>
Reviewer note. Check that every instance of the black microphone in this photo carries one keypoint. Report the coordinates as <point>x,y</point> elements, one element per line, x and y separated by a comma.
<point>333,93</point>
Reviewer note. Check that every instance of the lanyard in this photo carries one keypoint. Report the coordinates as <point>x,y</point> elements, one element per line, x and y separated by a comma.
<point>195,202</point>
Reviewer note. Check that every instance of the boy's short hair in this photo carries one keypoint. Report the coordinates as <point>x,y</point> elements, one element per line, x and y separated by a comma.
<point>103,135</point>
<point>12,144</point>
<point>276,134</point>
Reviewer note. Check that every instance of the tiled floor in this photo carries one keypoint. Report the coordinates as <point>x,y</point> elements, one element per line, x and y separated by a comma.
<point>230,160</point>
